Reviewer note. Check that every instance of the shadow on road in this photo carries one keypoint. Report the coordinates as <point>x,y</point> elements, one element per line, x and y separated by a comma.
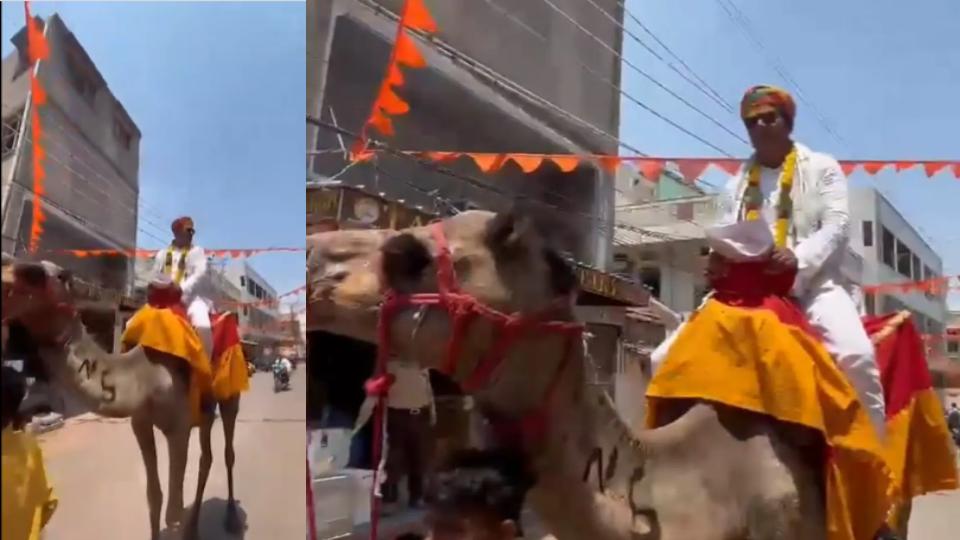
<point>213,515</point>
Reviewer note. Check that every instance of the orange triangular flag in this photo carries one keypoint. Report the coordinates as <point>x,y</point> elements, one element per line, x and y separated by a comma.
<point>394,76</point>
<point>873,167</point>
<point>407,53</point>
<point>391,103</point>
<point>527,163</point>
<point>488,162</point>
<point>39,95</point>
<point>933,167</point>
<point>566,163</point>
<point>691,169</point>
<point>651,168</point>
<point>956,171</point>
<point>441,156</point>
<point>416,16</point>
<point>848,167</point>
<point>37,46</point>
<point>381,122</point>
<point>609,163</point>
<point>901,166</point>
<point>729,166</point>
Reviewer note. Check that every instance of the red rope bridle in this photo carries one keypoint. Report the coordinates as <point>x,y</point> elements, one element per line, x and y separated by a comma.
<point>463,308</point>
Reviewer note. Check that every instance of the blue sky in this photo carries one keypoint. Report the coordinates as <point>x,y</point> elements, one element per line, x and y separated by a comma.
<point>218,91</point>
<point>884,73</point>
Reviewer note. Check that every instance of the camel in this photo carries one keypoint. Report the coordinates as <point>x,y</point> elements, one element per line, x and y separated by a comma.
<point>712,473</point>
<point>143,384</point>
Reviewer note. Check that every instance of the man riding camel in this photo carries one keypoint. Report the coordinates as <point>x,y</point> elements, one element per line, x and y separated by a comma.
<point>816,224</point>
<point>186,265</point>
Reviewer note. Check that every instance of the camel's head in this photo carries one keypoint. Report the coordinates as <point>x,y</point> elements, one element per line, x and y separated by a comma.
<point>504,260</point>
<point>38,296</point>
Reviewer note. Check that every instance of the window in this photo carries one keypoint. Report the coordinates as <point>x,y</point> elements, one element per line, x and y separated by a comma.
<point>904,256</point>
<point>11,132</point>
<point>650,277</point>
<point>928,274</point>
<point>81,81</point>
<point>870,303</point>
<point>953,344</point>
<point>917,269</point>
<point>246,311</point>
<point>243,281</point>
<point>887,254</point>
<point>251,287</point>
<point>122,134</point>
<point>867,233</point>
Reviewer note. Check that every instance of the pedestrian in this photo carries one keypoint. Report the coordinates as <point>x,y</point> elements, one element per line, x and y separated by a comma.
<point>28,500</point>
<point>480,496</point>
<point>953,422</point>
<point>411,415</point>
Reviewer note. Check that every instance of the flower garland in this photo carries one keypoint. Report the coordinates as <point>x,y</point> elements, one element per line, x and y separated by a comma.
<point>753,197</point>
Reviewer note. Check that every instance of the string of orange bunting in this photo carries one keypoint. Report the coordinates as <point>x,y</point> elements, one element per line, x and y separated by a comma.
<point>37,49</point>
<point>936,286</point>
<point>150,253</point>
<point>266,302</point>
<point>652,167</point>
<point>413,16</point>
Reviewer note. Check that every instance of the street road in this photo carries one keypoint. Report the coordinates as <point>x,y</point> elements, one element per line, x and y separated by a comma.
<point>935,516</point>
<point>96,471</point>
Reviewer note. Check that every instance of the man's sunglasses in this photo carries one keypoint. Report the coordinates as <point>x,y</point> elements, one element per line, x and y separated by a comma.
<point>765,119</point>
<point>190,231</point>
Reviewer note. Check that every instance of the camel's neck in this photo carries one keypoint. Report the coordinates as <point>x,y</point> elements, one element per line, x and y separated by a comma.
<point>595,461</point>
<point>104,382</point>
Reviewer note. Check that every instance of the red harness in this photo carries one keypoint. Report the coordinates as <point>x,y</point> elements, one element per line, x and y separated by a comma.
<point>463,309</point>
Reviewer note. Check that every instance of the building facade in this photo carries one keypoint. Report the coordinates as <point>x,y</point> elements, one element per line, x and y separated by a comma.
<point>464,103</point>
<point>92,151</point>
<point>893,251</point>
<point>259,315</point>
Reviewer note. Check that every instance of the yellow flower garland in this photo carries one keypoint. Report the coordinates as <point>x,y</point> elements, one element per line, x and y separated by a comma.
<point>753,197</point>
<point>181,266</point>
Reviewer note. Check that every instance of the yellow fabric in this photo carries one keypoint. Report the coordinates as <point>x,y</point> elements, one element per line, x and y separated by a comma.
<point>165,331</point>
<point>749,359</point>
<point>28,499</point>
<point>919,449</point>
<point>231,377</point>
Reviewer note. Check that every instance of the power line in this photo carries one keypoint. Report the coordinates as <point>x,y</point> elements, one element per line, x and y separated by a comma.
<point>635,19</point>
<point>741,20</point>
<point>650,78</point>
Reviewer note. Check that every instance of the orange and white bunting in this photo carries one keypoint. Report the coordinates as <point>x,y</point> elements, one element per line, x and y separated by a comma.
<point>233,253</point>
<point>37,49</point>
<point>651,167</point>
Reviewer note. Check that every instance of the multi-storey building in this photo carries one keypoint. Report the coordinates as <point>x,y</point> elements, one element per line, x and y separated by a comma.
<point>523,88</point>
<point>92,149</point>
<point>893,251</point>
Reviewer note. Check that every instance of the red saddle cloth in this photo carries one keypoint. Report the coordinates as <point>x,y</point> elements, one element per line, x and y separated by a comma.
<point>166,296</point>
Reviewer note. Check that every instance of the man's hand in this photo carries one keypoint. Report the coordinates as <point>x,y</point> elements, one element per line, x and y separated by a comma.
<point>717,267</point>
<point>782,261</point>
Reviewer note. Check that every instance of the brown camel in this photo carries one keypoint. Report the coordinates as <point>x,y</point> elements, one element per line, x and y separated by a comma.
<point>145,385</point>
<point>713,473</point>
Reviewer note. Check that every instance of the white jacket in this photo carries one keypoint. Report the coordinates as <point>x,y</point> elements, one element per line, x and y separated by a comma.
<point>194,278</point>
<point>820,227</point>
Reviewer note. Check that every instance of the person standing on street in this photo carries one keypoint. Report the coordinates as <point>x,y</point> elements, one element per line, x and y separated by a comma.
<point>953,422</point>
<point>411,414</point>
<point>186,265</point>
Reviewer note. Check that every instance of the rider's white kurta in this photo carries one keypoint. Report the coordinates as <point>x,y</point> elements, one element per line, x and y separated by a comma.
<point>194,285</point>
<point>819,237</point>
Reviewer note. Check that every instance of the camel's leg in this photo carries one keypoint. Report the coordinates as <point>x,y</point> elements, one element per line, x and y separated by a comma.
<point>178,446</point>
<point>228,414</point>
<point>206,460</point>
<point>143,431</point>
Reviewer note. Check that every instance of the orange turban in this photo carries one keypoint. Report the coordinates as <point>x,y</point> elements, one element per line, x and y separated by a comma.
<point>762,99</point>
<point>181,224</point>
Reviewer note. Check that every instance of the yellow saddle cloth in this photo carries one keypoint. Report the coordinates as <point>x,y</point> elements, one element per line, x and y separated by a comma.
<point>166,331</point>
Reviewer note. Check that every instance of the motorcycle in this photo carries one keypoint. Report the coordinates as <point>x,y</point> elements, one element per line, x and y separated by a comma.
<point>281,379</point>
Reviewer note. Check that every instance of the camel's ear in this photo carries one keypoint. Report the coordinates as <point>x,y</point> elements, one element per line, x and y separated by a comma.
<point>511,233</point>
<point>404,260</point>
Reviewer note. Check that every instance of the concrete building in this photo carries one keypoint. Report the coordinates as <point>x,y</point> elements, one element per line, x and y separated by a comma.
<point>92,160</point>
<point>892,251</point>
<point>464,104</point>
<point>258,323</point>
<point>952,335</point>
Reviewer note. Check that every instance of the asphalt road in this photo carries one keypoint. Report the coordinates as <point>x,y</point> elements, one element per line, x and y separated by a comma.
<point>96,470</point>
